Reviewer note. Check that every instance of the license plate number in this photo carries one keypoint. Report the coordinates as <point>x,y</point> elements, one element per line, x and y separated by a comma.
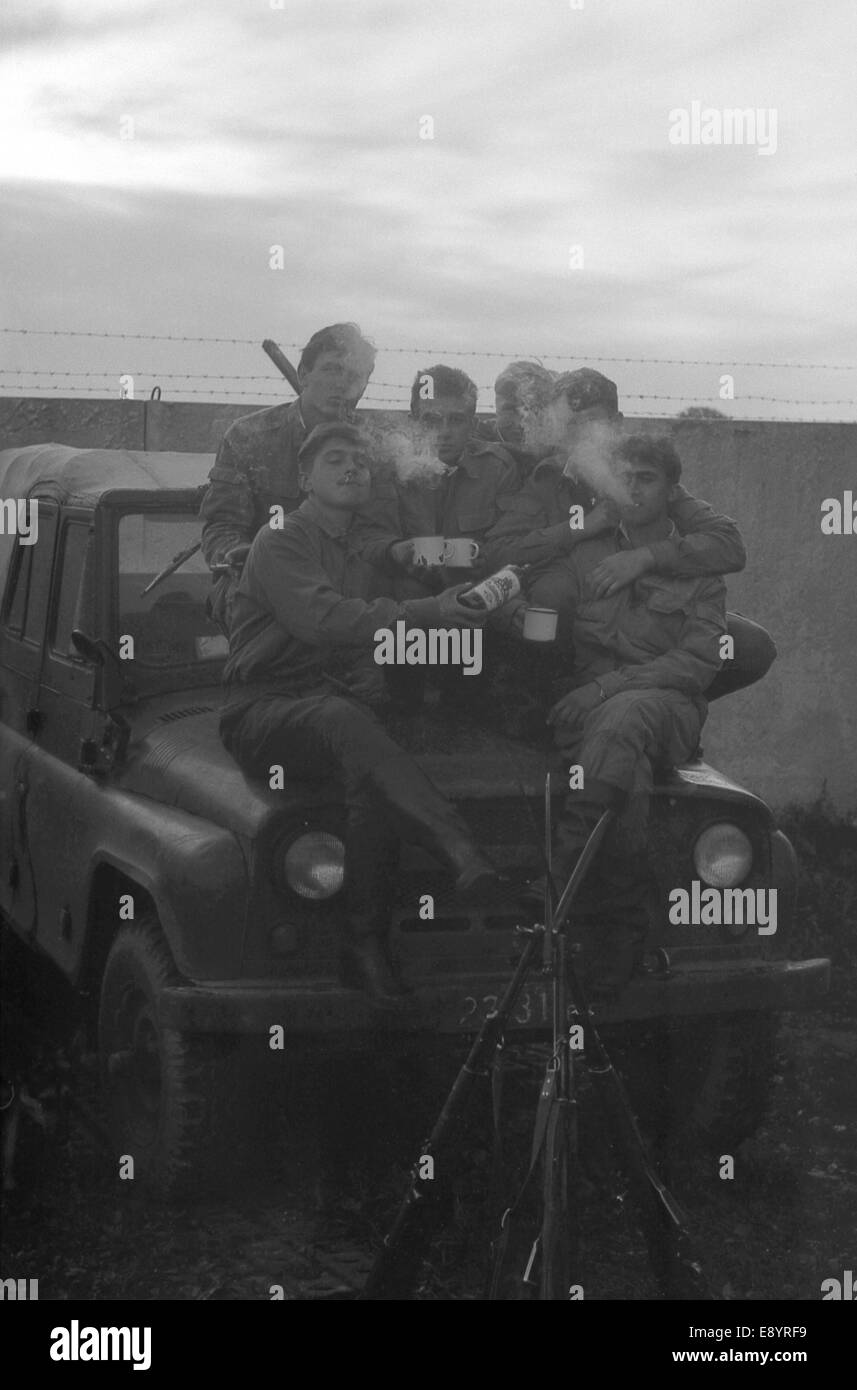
<point>531,1011</point>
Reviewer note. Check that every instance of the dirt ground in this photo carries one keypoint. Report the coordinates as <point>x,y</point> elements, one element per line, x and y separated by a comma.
<point>784,1223</point>
<point>313,1191</point>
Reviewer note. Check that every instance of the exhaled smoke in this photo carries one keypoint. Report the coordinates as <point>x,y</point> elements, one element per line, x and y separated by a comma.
<point>591,460</point>
<point>588,446</point>
<point>408,452</point>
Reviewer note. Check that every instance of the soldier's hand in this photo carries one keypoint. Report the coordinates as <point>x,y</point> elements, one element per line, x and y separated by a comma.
<point>615,571</point>
<point>575,706</point>
<point>451,611</point>
<point>509,617</point>
<point>402,553</point>
<point>236,556</point>
<point>603,517</point>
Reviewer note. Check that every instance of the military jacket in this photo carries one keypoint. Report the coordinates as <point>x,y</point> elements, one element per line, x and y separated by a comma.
<point>466,502</point>
<point>256,468</point>
<point>533,528</point>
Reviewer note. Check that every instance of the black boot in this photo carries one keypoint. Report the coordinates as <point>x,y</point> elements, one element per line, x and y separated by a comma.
<point>435,824</point>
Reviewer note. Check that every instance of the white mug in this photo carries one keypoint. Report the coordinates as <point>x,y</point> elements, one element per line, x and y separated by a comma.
<point>428,550</point>
<point>540,624</point>
<point>460,552</point>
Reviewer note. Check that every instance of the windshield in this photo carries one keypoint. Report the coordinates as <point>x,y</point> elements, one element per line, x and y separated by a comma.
<point>169,625</point>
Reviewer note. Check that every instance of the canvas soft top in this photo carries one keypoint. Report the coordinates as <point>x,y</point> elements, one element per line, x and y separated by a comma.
<point>89,475</point>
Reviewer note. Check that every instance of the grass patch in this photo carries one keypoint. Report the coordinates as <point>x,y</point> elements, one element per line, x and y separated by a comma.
<point>825,843</point>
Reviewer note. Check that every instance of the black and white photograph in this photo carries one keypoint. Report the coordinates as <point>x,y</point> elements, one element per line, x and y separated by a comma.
<point>428,653</point>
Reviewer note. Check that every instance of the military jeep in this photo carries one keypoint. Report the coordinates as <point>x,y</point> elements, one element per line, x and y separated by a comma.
<point>193,908</point>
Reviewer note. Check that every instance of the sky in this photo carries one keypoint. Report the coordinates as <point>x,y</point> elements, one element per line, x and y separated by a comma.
<point>426,170</point>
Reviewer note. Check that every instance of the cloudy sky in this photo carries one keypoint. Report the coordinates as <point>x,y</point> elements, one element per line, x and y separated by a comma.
<point>155,151</point>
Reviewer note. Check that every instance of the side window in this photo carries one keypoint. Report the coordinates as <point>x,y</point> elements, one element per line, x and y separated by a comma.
<point>39,588</point>
<point>30,579</point>
<point>74,599</point>
<point>22,564</point>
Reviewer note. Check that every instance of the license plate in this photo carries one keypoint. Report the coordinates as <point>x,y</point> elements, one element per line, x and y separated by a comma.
<point>533,1009</point>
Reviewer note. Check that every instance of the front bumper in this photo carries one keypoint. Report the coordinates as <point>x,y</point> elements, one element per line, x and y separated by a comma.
<point>459,1006</point>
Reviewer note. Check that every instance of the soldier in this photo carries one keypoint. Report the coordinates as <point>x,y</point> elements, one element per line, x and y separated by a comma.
<point>536,526</point>
<point>257,462</point>
<point>521,394</point>
<point>301,683</point>
<point>644,655</point>
<point>465,500</point>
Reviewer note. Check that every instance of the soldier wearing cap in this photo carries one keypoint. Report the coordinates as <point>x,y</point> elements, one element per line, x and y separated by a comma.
<point>535,526</point>
<point>301,685</point>
<point>257,463</point>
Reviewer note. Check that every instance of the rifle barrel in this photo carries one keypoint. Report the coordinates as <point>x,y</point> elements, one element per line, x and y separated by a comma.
<point>176,563</point>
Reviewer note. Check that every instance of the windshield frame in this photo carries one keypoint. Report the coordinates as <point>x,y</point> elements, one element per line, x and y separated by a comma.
<point>148,679</point>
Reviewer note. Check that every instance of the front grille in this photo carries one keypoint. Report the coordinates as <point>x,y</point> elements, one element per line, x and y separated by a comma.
<point>172,715</point>
<point>517,821</point>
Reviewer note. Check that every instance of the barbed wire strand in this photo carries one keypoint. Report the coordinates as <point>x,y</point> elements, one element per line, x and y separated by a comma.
<point>486,415</point>
<point>430,352</point>
<point>391,385</point>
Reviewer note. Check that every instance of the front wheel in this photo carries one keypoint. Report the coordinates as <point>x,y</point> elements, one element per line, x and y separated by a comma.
<point>165,1090</point>
<point>703,1082</point>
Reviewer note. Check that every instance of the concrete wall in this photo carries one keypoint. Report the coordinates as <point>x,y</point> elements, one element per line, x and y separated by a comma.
<point>786,737</point>
<point>797,729</point>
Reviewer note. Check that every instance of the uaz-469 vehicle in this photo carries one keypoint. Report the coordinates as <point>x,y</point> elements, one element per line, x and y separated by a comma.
<point>196,906</point>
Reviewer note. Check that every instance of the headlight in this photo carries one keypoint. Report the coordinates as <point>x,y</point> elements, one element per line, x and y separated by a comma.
<point>723,856</point>
<point>313,865</point>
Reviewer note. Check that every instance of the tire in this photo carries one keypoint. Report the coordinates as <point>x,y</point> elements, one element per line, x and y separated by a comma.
<point>703,1084</point>
<point>165,1091</point>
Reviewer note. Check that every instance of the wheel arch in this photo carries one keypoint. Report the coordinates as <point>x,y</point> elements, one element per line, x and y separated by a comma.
<point>109,880</point>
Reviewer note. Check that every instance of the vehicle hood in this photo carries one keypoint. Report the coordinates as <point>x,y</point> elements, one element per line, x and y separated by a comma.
<point>177,758</point>
<point>180,761</point>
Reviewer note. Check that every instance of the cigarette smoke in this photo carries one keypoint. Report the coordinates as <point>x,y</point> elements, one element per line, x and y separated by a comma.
<point>587,445</point>
<point>407,451</point>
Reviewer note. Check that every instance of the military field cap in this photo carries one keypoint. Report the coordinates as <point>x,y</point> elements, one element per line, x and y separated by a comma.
<point>586,388</point>
<point>335,429</point>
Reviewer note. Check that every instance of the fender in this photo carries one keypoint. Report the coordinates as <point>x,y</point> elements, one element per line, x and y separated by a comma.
<point>195,873</point>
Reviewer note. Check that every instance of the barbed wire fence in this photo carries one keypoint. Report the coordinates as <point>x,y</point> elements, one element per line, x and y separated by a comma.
<point>226,387</point>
